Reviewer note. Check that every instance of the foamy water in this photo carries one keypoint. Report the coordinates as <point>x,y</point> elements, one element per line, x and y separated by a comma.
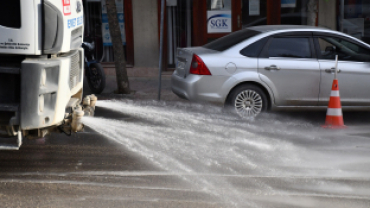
<point>191,139</point>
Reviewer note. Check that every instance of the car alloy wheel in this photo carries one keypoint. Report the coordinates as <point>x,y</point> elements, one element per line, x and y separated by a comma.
<point>248,103</point>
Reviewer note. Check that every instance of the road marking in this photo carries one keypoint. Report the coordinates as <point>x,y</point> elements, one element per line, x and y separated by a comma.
<point>156,173</point>
<point>258,193</point>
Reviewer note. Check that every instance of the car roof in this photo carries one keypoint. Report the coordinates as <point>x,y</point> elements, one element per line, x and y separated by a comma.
<point>296,28</point>
<point>270,28</point>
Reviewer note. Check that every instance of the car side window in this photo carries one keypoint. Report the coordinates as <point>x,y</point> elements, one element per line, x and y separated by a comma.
<point>294,47</point>
<point>253,50</point>
<point>346,50</point>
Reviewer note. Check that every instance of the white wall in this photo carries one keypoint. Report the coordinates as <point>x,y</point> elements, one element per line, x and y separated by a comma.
<point>327,14</point>
<point>145,20</point>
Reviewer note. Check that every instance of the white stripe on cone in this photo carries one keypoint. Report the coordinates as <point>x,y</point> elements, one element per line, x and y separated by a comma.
<point>334,93</point>
<point>334,112</point>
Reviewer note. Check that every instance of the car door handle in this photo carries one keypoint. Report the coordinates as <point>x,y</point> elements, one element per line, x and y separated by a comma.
<point>272,67</point>
<point>332,70</point>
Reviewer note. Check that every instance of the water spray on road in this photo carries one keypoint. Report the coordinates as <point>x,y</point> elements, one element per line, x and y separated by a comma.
<point>195,139</point>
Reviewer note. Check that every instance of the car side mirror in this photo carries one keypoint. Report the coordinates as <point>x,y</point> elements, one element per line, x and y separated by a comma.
<point>330,48</point>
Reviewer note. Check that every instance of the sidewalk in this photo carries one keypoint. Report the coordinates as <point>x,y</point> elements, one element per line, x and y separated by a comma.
<point>110,70</point>
<point>145,87</point>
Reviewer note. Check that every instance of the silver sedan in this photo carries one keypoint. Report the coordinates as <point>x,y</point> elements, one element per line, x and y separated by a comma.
<point>264,67</point>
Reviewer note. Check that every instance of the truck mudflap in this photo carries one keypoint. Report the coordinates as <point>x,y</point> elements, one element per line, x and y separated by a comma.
<point>12,143</point>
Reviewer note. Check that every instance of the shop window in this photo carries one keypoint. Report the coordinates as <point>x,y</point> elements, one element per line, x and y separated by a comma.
<point>92,23</point>
<point>97,28</point>
<point>294,12</point>
<point>356,19</point>
<point>290,47</point>
<point>218,4</point>
<point>254,12</point>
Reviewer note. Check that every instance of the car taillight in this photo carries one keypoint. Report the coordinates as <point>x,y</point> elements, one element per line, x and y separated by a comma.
<point>198,66</point>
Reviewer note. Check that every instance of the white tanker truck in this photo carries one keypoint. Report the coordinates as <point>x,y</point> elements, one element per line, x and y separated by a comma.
<point>41,68</point>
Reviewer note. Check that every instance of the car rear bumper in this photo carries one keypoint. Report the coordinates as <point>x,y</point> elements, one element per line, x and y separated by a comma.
<point>200,87</point>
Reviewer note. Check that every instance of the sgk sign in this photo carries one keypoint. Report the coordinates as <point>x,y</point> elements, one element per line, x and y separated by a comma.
<point>219,21</point>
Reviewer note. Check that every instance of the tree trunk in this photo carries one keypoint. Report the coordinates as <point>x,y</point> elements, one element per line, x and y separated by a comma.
<point>123,86</point>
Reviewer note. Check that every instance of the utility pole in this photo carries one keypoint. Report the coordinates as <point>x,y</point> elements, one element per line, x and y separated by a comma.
<point>123,86</point>
<point>161,50</point>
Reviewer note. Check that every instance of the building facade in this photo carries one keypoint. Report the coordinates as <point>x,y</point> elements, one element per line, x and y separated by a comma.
<point>196,22</point>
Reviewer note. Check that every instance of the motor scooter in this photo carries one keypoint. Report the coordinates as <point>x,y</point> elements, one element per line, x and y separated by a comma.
<point>94,71</point>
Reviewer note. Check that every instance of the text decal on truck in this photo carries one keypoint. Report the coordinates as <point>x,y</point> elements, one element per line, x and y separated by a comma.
<point>75,22</point>
<point>66,7</point>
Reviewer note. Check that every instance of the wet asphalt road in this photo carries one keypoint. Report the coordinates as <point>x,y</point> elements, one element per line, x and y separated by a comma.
<point>89,170</point>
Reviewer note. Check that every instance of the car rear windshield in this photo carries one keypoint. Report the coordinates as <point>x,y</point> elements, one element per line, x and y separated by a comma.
<point>230,40</point>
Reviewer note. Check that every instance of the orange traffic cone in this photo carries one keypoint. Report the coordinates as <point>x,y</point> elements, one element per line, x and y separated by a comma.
<point>334,115</point>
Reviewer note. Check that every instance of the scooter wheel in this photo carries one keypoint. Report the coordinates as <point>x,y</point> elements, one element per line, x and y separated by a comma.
<point>96,78</point>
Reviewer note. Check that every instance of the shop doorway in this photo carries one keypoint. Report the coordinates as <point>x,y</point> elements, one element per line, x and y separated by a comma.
<point>96,29</point>
<point>214,19</point>
<point>209,15</point>
<point>192,23</point>
<point>178,30</point>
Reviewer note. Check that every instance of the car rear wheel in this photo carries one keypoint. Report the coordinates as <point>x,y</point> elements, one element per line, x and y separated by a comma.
<point>248,101</point>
